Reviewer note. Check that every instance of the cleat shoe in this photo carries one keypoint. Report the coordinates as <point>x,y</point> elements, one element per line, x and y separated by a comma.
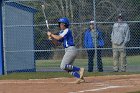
<point>81,72</point>
<point>78,81</point>
<point>82,80</point>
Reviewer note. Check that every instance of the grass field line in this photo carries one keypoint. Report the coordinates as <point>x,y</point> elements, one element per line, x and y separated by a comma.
<point>51,78</point>
<point>32,82</point>
<point>99,89</point>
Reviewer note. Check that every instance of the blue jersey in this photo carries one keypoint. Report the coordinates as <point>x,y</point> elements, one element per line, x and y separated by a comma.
<point>67,38</point>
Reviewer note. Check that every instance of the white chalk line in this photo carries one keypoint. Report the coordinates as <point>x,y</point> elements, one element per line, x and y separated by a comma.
<point>27,82</point>
<point>43,82</point>
<point>99,89</point>
<point>51,78</point>
<point>37,81</point>
<point>31,81</point>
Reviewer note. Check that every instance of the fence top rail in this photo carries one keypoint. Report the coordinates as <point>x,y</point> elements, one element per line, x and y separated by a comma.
<point>83,49</point>
<point>20,0</point>
<point>71,24</point>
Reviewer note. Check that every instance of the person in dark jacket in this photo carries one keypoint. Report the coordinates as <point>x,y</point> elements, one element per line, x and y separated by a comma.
<point>90,37</point>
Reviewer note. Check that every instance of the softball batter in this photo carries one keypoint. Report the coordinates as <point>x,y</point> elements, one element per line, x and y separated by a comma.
<point>65,36</point>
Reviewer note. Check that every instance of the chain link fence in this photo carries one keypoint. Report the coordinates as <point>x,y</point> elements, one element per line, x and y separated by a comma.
<point>27,47</point>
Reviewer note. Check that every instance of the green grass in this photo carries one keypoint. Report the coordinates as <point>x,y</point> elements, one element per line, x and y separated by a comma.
<point>107,61</point>
<point>45,75</point>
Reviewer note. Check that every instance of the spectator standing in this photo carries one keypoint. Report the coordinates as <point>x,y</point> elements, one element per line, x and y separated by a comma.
<point>93,38</point>
<point>119,37</point>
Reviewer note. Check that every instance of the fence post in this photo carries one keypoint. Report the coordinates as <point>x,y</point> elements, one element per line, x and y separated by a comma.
<point>1,45</point>
<point>94,15</point>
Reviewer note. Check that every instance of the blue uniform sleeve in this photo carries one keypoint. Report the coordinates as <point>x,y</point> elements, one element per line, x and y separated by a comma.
<point>100,38</point>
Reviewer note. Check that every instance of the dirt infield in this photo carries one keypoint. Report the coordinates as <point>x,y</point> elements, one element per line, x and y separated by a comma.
<point>98,84</point>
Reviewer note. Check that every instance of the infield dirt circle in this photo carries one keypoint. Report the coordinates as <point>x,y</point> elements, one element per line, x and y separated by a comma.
<point>96,84</point>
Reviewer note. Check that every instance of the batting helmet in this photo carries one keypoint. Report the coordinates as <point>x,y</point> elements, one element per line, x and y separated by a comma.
<point>65,21</point>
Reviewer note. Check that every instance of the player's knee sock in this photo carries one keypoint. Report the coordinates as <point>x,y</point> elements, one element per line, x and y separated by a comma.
<point>75,74</point>
<point>72,68</point>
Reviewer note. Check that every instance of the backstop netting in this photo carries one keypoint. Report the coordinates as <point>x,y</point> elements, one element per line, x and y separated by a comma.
<point>27,47</point>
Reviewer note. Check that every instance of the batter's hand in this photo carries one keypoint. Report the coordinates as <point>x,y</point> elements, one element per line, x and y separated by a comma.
<point>49,33</point>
